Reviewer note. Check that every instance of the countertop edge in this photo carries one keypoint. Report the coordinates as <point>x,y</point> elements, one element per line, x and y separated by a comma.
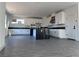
<point>35,28</point>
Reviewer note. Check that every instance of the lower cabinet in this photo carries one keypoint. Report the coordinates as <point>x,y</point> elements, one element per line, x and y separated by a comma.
<point>57,33</point>
<point>19,31</point>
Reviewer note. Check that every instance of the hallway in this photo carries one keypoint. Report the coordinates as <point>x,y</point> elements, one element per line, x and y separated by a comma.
<point>26,46</point>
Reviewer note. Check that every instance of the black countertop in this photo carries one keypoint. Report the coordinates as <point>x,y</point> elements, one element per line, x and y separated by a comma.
<point>36,28</point>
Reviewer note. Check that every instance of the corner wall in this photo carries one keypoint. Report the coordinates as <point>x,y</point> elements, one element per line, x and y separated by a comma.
<point>78,24</point>
<point>71,14</point>
<point>2,25</point>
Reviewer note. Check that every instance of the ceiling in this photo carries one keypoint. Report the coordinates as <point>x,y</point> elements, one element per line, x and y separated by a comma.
<point>35,9</point>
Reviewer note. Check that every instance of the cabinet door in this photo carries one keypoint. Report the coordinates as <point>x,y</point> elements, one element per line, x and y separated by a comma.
<point>57,17</point>
<point>19,31</point>
<point>54,32</point>
<point>62,33</point>
<point>60,18</point>
<point>51,32</point>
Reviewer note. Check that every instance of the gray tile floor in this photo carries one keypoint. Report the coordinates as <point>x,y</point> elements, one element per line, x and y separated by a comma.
<point>26,46</point>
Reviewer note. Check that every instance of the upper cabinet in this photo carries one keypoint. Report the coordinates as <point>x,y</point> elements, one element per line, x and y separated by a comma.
<point>60,18</point>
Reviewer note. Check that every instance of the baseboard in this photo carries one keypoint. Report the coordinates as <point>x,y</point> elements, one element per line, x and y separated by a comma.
<point>64,38</point>
<point>54,37</point>
<point>57,37</point>
<point>71,39</point>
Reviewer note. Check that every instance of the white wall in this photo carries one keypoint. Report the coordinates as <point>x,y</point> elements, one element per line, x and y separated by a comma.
<point>8,18</point>
<point>46,21</point>
<point>78,24</point>
<point>29,21</point>
<point>6,27</point>
<point>71,21</point>
<point>2,25</point>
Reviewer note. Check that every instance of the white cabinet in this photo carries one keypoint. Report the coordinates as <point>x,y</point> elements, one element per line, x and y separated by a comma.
<point>62,33</point>
<point>54,32</point>
<point>58,33</point>
<point>19,31</point>
<point>60,18</point>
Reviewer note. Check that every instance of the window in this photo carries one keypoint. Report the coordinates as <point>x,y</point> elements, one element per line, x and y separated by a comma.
<point>21,21</point>
<point>14,21</point>
<point>18,21</point>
